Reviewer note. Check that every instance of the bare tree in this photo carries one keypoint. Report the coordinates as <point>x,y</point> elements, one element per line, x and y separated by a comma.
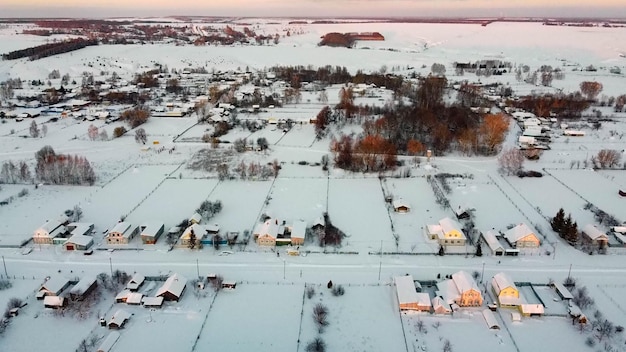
<point>447,346</point>
<point>92,132</point>
<point>44,130</point>
<point>104,136</point>
<point>320,316</point>
<point>511,161</point>
<point>608,158</point>
<point>316,345</point>
<point>605,329</point>
<point>140,136</point>
<point>34,130</point>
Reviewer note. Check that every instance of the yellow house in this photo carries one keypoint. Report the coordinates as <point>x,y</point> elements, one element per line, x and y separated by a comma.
<point>447,233</point>
<point>198,231</point>
<point>521,236</point>
<point>505,290</point>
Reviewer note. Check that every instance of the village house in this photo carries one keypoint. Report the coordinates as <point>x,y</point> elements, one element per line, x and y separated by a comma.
<point>152,302</point>
<point>84,287</point>
<point>593,236</point>
<point>173,288</point>
<point>318,225</point>
<point>505,290</point>
<point>134,299</point>
<point>448,233</point>
<point>440,306</point>
<point>122,233</point>
<point>53,287</point>
<point>266,233</point>
<point>54,302</point>
<point>151,232</point>
<point>298,233</point>
<point>491,239</point>
<point>194,230</point>
<point>108,342</point>
<point>408,297</point>
<point>135,282</point>
<point>119,319</point>
<point>80,238</point>
<point>521,236</point>
<point>47,232</point>
<point>490,319</point>
<point>195,219</point>
<point>461,290</point>
<point>122,296</point>
<point>401,206</point>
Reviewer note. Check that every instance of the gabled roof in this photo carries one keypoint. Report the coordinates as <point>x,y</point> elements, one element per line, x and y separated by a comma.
<point>439,303</point>
<point>123,295</point>
<point>398,203</point>
<point>518,232</point>
<point>423,299</point>
<point>81,240</point>
<point>532,308</point>
<point>464,282</point>
<point>270,227</point>
<point>48,226</point>
<point>134,298</point>
<point>195,218</point>
<point>121,227</point>
<point>151,229</point>
<point>501,281</point>
<point>593,232</point>
<point>175,284</point>
<point>120,317</point>
<point>198,230</point>
<point>80,228</point>
<point>55,284</point>
<point>490,319</point>
<point>53,301</point>
<point>83,285</point>
<point>298,229</point>
<point>135,281</point>
<point>448,225</point>
<point>492,240</point>
<point>109,341</point>
<point>405,289</point>
<point>152,301</point>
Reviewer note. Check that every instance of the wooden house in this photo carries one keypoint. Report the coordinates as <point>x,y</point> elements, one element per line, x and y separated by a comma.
<point>505,290</point>
<point>440,306</point>
<point>108,342</point>
<point>122,233</point>
<point>151,232</point>
<point>460,290</point>
<point>122,296</point>
<point>135,282</point>
<point>53,287</point>
<point>521,236</point>
<point>447,232</point>
<point>78,242</point>
<point>83,288</point>
<point>119,319</point>
<point>592,235</point>
<point>54,302</point>
<point>491,239</point>
<point>192,230</point>
<point>46,233</point>
<point>298,233</point>
<point>229,284</point>
<point>266,233</point>
<point>195,219</point>
<point>173,288</point>
<point>406,293</point>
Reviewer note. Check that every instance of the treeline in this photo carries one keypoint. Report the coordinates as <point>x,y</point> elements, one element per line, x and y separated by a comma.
<point>62,169</point>
<point>45,50</point>
<point>562,105</point>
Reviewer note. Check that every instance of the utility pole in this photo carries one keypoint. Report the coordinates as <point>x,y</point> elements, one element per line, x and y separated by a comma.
<point>284,268</point>
<point>198,267</point>
<point>111,266</point>
<point>5,268</point>
<point>569,272</point>
<point>482,274</point>
<point>380,263</point>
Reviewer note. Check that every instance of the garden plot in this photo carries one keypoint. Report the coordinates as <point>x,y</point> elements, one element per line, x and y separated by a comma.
<point>253,317</point>
<point>550,299</point>
<point>424,210</point>
<point>538,334</point>
<point>195,133</point>
<point>295,169</point>
<point>301,135</point>
<point>272,133</point>
<point>20,288</point>
<point>242,202</point>
<point>483,197</point>
<point>297,199</point>
<point>465,329</point>
<point>164,129</point>
<point>118,198</point>
<point>595,188</point>
<point>24,214</point>
<point>173,201</point>
<point>357,207</point>
<point>608,299</point>
<point>351,320</point>
<point>174,327</point>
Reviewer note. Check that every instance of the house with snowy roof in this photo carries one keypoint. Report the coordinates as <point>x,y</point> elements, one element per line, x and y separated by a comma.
<point>521,236</point>
<point>84,287</point>
<point>447,232</point>
<point>119,319</point>
<point>268,232</point>
<point>194,230</point>
<point>461,289</point>
<point>491,239</point>
<point>80,236</point>
<point>135,282</point>
<point>122,233</point>
<point>594,236</point>
<point>505,290</point>
<point>53,287</point>
<point>401,206</point>
<point>151,232</point>
<point>46,233</point>
<point>298,232</point>
<point>173,288</point>
<point>440,306</point>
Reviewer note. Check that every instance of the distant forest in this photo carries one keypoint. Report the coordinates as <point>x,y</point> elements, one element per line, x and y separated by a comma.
<point>45,50</point>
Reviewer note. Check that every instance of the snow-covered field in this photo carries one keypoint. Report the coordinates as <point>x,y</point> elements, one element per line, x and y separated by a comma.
<point>268,311</point>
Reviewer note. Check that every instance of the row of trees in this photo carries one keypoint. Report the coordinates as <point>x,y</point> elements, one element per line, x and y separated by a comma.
<point>63,169</point>
<point>15,173</point>
<point>367,153</point>
<point>565,227</point>
<point>45,50</point>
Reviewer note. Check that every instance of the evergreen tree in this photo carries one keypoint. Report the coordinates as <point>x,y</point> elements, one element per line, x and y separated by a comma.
<point>479,249</point>
<point>441,251</point>
<point>192,239</point>
<point>567,224</point>
<point>558,220</point>
<point>572,234</point>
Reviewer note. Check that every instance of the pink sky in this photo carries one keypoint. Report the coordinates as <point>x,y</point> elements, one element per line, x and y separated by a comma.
<point>329,8</point>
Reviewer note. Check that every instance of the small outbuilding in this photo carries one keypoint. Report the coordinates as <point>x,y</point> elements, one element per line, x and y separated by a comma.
<point>491,320</point>
<point>84,287</point>
<point>53,287</point>
<point>401,206</point>
<point>54,302</point>
<point>135,282</point>
<point>595,237</point>
<point>152,302</point>
<point>108,342</point>
<point>119,319</point>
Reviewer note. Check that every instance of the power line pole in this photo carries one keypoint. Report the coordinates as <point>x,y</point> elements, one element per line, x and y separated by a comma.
<point>380,263</point>
<point>198,267</point>
<point>111,266</point>
<point>5,268</point>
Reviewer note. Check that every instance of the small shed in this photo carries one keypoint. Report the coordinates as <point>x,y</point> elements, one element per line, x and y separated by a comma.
<point>195,219</point>
<point>122,296</point>
<point>119,319</point>
<point>532,310</point>
<point>491,320</point>
<point>515,316</point>
<point>401,206</point>
<point>135,282</point>
<point>562,291</point>
<point>134,299</point>
<point>229,284</point>
<point>151,232</point>
<point>440,306</point>
<point>53,287</point>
